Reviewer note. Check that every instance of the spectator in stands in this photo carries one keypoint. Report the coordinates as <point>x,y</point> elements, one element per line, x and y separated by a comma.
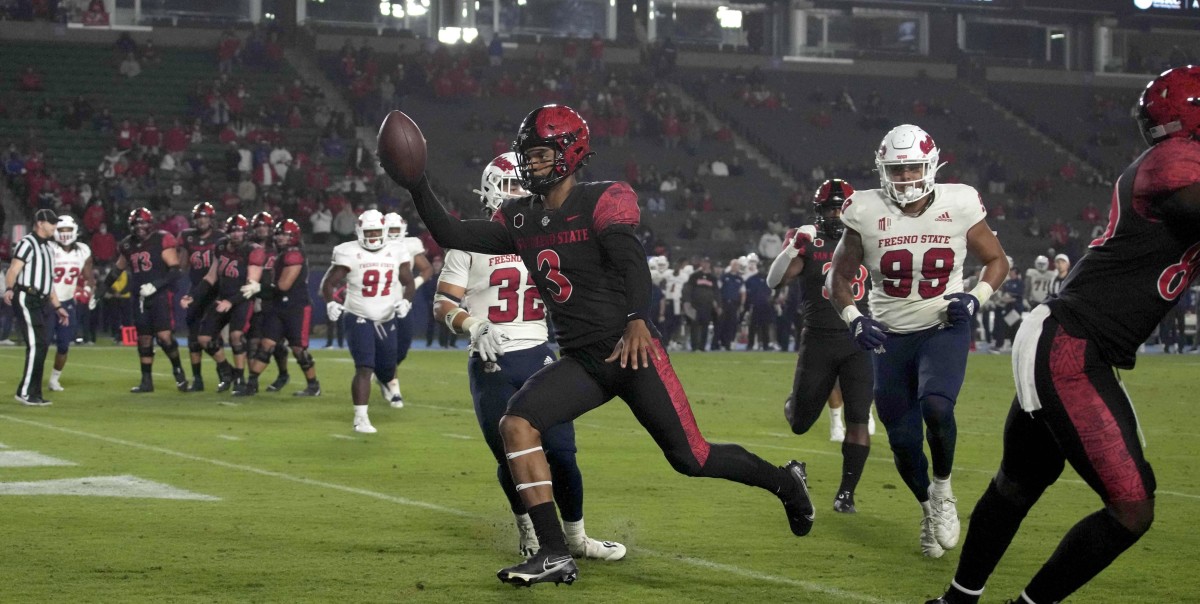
<point>30,81</point>
<point>722,232</point>
<point>322,223</point>
<point>1059,233</point>
<point>1090,213</point>
<point>360,162</point>
<point>150,137</point>
<point>688,230</point>
<point>104,245</point>
<point>246,191</point>
<point>344,223</point>
<point>281,160</point>
<point>130,67</point>
<point>227,51</point>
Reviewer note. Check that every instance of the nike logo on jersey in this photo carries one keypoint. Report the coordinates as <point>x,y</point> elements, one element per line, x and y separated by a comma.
<point>570,218</point>
<point>945,217</point>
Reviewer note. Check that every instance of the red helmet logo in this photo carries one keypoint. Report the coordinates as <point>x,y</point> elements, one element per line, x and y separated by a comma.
<point>503,163</point>
<point>927,145</point>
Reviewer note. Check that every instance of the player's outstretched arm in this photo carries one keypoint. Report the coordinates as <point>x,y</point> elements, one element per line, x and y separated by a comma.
<point>847,258</point>
<point>983,244</point>
<point>483,236</point>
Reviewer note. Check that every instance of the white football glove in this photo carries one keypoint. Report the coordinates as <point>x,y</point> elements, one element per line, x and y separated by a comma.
<point>334,310</point>
<point>488,340</point>
<point>147,290</point>
<point>92,302</point>
<point>250,288</point>
<point>402,307</point>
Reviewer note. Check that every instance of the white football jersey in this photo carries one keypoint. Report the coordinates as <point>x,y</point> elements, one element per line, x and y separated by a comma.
<point>500,290</point>
<point>374,278</point>
<point>415,248</point>
<point>914,260</point>
<point>68,269</point>
<point>1039,283</point>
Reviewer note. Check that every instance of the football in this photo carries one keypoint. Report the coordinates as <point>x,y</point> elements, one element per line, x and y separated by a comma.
<point>402,150</point>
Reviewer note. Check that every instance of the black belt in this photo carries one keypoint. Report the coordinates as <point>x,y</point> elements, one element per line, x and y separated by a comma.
<point>30,290</point>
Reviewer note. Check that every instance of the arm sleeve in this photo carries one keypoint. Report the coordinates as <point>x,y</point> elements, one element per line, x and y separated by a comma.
<point>173,273</point>
<point>484,236</point>
<point>626,253</point>
<point>779,268</point>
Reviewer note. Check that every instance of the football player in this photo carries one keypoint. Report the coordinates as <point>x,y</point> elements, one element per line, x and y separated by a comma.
<point>372,270</point>
<point>1070,405</point>
<point>73,284</point>
<point>733,298</point>
<point>913,236</point>
<point>827,357</point>
<point>152,261</point>
<point>1062,267</point>
<point>239,263</point>
<point>397,234</point>
<point>1037,282</point>
<point>288,311</point>
<point>262,232</point>
<point>198,245</point>
<point>492,299</point>
<point>577,240</point>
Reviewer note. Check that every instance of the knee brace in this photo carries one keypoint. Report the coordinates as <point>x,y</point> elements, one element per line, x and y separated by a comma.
<point>262,356</point>
<point>145,351</point>
<point>213,347</point>
<point>280,353</point>
<point>238,347</point>
<point>304,360</point>
<point>170,346</point>
<point>194,347</point>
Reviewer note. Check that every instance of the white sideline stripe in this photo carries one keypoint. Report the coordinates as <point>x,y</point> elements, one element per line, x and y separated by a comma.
<point>243,468</point>
<point>698,562</point>
<point>459,436</point>
<point>103,486</point>
<point>3,446</point>
<point>343,436</point>
<point>752,574</point>
<point>30,459</point>
<point>229,437</point>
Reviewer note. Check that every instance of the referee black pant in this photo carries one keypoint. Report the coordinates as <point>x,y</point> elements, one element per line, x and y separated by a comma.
<point>31,320</point>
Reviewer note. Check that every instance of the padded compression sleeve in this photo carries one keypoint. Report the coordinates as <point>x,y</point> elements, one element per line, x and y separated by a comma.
<point>484,236</point>
<point>623,248</point>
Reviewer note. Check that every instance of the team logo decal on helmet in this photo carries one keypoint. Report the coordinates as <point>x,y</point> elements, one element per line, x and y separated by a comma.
<point>1170,105</point>
<point>141,221</point>
<point>500,181</point>
<point>828,206</point>
<point>561,129</point>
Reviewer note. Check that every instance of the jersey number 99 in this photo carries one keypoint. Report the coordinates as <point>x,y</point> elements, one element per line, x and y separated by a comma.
<point>898,276</point>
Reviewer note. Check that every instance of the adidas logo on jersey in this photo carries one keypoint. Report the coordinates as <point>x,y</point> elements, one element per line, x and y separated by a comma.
<point>945,217</point>
<point>547,361</point>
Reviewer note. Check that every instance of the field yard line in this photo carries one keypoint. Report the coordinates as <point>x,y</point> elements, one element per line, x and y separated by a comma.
<point>841,594</point>
<point>698,562</point>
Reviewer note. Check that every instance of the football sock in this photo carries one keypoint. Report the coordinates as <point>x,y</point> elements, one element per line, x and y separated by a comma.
<point>568,484</point>
<point>55,374</point>
<point>941,487</point>
<point>313,382</point>
<point>732,462</point>
<point>146,370</point>
<point>360,411</point>
<point>854,458</point>
<point>574,531</point>
<point>835,417</point>
<point>942,432</point>
<point>994,522</point>
<point>281,356</point>
<point>1088,548</point>
<point>549,531</point>
<point>196,370</point>
<point>957,594</point>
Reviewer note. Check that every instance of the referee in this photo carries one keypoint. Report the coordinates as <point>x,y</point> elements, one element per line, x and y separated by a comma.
<point>30,279</point>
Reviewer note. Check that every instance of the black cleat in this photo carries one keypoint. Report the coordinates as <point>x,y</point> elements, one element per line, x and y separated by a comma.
<point>312,390</point>
<point>279,383</point>
<point>798,504</point>
<point>197,385</point>
<point>180,379</point>
<point>936,601</point>
<point>844,503</point>
<point>224,384</point>
<point>247,389</point>
<point>143,388</point>
<point>543,567</point>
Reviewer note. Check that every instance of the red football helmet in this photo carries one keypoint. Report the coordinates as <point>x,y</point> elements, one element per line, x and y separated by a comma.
<point>203,209</point>
<point>1170,105</point>
<point>234,225</point>
<point>287,233</point>
<point>827,204</point>
<point>262,219</point>
<point>560,128</point>
<point>141,220</point>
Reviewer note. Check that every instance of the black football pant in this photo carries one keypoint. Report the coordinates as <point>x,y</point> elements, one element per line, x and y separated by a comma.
<point>31,321</point>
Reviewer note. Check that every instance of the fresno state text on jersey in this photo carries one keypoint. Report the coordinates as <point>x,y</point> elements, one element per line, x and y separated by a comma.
<point>914,260</point>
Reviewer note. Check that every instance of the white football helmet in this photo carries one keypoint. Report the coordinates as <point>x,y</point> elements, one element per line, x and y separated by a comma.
<point>1041,263</point>
<point>499,182</point>
<point>906,145</point>
<point>67,231</point>
<point>370,221</point>
<point>395,226</point>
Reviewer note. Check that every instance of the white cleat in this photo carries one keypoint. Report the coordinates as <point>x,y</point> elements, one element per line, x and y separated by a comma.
<point>609,551</point>
<point>363,425</point>
<point>56,387</point>
<point>837,433</point>
<point>383,390</point>
<point>870,422</point>
<point>930,547</point>
<point>396,400</point>
<point>944,515</point>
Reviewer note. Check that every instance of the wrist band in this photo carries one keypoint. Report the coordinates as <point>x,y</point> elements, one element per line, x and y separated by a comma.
<point>850,313</point>
<point>983,291</point>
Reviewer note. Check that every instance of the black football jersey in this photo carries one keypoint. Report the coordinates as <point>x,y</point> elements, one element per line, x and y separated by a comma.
<point>143,257</point>
<point>199,251</point>
<point>583,288</point>
<point>298,295</point>
<point>818,311</point>
<point>1140,267</point>
<point>233,265</point>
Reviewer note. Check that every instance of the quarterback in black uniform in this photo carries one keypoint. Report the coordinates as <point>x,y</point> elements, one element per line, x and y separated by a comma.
<point>578,241</point>
<point>197,247</point>
<point>150,258</point>
<point>1070,406</point>
<point>828,357</point>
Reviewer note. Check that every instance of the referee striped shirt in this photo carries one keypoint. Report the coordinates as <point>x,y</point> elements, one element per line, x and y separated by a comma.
<point>37,273</point>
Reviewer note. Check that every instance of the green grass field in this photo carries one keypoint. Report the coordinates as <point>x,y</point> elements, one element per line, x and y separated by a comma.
<point>307,510</point>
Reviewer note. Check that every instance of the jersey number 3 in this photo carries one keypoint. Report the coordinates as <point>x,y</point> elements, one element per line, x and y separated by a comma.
<point>897,269</point>
<point>549,262</point>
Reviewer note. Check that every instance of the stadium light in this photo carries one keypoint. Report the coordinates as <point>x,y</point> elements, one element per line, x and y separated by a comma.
<point>729,18</point>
